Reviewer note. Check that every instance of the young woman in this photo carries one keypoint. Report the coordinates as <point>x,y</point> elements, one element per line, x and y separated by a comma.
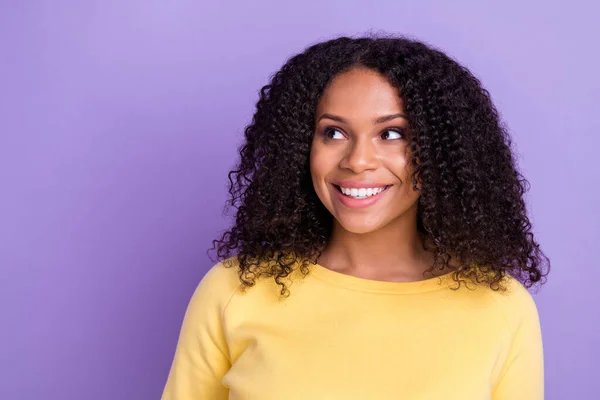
<point>381,249</point>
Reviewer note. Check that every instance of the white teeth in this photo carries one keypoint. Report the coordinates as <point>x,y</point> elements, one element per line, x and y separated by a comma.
<point>361,193</point>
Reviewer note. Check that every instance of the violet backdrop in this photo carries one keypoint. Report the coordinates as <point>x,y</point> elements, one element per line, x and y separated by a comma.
<point>119,121</point>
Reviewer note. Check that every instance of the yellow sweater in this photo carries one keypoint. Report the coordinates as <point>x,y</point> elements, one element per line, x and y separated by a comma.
<point>343,337</point>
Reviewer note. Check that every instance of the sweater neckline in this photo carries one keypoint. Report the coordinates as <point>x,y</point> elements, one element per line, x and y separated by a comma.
<point>371,285</point>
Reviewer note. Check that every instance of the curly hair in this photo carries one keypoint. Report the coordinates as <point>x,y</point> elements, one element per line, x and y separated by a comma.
<point>471,202</point>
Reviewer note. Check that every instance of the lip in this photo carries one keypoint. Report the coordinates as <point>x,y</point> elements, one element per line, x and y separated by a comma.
<point>360,184</point>
<point>360,203</point>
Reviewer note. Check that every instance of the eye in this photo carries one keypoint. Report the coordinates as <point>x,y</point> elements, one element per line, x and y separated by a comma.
<point>391,134</point>
<point>330,132</point>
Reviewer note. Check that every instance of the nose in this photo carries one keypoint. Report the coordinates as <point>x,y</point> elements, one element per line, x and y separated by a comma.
<point>360,156</point>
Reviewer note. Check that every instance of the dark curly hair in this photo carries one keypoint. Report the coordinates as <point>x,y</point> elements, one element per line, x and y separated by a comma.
<point>471,202</point>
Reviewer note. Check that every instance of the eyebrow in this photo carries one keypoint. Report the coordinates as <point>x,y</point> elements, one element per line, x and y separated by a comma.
<point>379,120</point>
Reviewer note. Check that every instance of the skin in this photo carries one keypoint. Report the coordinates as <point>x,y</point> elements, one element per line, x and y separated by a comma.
<point>379,242</point>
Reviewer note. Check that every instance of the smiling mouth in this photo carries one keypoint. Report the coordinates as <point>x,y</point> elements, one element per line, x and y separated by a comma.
<point>364,194</point>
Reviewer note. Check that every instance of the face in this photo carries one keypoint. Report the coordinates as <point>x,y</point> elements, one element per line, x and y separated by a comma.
<point>359,158</point>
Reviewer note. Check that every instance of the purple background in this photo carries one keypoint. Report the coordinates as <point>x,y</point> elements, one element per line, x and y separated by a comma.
<point>120,119</point>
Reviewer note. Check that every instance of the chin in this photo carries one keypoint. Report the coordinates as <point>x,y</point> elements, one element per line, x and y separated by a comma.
<point>360,230</point>
<point>358,225</point>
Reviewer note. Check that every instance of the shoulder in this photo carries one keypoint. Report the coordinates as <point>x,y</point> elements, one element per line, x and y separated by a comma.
<point>224,274</point>
<point>515,303</point>
<point>519,372</point>
<point>218,285</point>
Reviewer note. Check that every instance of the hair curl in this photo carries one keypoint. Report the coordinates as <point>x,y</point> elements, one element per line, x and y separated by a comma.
<point>471,202</point>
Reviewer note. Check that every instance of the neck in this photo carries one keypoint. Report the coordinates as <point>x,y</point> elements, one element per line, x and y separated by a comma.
<point>393,252</point>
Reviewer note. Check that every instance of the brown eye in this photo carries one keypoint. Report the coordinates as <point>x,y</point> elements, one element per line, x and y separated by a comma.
<point>391,134</point>
<point>331,131</point>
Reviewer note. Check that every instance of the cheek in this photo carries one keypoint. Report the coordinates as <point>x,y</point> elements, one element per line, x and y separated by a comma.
<point>317,170</point>
<point>399,165</point>
<point>314,164</point>
<point>320,162</point>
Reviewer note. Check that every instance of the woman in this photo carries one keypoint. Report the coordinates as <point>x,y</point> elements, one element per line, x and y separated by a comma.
<point>382,236</point>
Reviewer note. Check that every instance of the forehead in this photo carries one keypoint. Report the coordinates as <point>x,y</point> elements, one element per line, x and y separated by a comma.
<point>360,91</point>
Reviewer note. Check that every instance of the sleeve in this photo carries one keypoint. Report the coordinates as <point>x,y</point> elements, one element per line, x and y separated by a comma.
<point>522,376</point>
<point>201,356</point>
